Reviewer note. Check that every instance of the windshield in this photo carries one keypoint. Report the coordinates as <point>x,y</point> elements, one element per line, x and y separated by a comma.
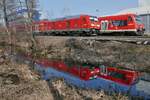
<point>93,19</point>
<point>138,19</point>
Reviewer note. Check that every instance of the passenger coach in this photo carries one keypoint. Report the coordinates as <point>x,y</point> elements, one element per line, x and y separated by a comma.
<point>129,24</point>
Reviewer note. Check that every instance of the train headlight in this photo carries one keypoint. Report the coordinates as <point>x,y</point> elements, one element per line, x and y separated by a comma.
<point>98,25</point>
<point>92,24</point>
<point>92,72</point>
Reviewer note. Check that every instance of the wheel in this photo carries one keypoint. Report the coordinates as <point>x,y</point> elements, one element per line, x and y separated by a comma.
<point>139,33</point>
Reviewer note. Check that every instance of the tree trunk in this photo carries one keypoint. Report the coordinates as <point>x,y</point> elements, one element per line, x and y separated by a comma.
<point>30,23</point>
<point>7,24</point>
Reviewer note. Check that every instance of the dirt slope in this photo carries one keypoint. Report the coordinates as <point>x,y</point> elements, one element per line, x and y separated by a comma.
<point>111,53</point>
<point>19,82</point>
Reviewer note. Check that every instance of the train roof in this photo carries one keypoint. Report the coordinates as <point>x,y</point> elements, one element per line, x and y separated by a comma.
<point>127,14</point>
<point>69,17</point>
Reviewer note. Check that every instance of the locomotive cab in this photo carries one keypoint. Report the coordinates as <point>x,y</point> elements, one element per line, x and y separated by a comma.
<point>116,75</point>
<point>139,25</point>
<point>129,24</point>
<point>94,24</point>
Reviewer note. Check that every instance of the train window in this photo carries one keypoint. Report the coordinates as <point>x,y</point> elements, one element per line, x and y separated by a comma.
<point>123,23</point>
<point>116,23</point>
<point>138,19</point>
<point>93,19</point>
<point>119,23</point>
<point>117,75</point>
<point>129,19</point>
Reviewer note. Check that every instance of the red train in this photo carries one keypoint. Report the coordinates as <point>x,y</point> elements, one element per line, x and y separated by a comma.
<point>84,73</point>
<point>87,72</point>
<point>85,25</point>
<point>109,79</point>
<point>129,24</point>
<point>119,75</point>
<point>72,25</point>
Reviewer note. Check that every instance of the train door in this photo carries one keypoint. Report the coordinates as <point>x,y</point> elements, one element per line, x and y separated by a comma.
<point>84,21</point>
<point>104,25</point>
<point>103,70</point>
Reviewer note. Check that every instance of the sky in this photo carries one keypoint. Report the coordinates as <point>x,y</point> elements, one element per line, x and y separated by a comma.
<point>59,8</point>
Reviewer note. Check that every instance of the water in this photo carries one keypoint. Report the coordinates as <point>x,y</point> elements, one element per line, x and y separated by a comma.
<point>141,89</point>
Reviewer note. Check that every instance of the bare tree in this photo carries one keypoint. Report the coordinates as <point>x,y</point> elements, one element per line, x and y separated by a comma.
<point>31,5</point>
<point>4,11</point>
<point>1,17</point>
<point>9,9</point>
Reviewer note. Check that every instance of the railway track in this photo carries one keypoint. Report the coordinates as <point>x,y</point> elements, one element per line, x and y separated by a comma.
<point>145,40</point>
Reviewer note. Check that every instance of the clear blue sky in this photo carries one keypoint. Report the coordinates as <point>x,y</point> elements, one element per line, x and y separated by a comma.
<point>59,8</point>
